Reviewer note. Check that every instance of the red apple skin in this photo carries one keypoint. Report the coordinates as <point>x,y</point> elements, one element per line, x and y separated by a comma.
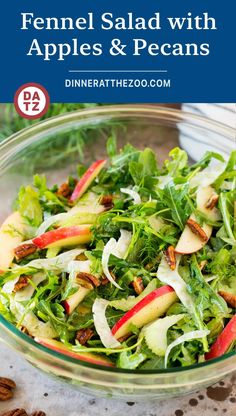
<point>76,234</point>
<point>224,340</point>
<point>85,356</point>
<point>66,307</point>
<point>71,303</point>
<point>87,179</point>
<point>164,291</point>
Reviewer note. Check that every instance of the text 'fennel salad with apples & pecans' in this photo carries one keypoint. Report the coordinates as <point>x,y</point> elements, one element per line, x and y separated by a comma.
<point>130,266</point>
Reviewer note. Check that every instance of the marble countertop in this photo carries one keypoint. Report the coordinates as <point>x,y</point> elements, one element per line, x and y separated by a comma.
<point>35,391</point>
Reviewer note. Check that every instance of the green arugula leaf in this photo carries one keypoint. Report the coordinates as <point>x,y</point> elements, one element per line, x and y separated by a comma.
<point>176,199</point>
<point>178,163</point>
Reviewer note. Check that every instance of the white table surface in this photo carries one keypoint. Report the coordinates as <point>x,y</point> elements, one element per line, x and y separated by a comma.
<point>35,391</point>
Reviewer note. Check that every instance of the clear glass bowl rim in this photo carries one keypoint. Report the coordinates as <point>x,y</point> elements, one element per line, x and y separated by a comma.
<point>166,114</point>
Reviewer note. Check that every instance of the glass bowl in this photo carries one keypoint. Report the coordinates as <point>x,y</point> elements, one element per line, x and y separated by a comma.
<point>54,147</point>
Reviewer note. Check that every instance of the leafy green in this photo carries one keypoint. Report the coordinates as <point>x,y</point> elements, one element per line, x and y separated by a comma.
<point>226,205</point>
<point>177,200</point>
<point>144,172</point>
<point>206,159</point>
<point>178,162</point>
<point>130,361</point>
<point>29,206</point>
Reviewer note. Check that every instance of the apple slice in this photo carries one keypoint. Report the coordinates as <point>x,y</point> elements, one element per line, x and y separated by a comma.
<point>190,242</point>
<point>83,356</point>
<point>224,340</point>
<point>149,308</point>
<point>11,235</point>
<point>87,178</point>
<point>74,300</point>
<point>204,195</point>
<point>64,237</point>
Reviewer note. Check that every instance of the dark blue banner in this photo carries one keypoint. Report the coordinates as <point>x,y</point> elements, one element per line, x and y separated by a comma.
<point>132,51</point>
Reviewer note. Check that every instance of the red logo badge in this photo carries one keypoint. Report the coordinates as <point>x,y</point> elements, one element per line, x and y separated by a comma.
<point>31,100</point>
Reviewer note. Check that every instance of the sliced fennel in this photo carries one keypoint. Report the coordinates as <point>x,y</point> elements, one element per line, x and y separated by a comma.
<point>133,194</point>
<point>37,328</point>
<point>163,181</point>
<point>8,287</point>
<point>29,320</point>
<point>118,249</point>
<point>75,266</point>
<point>189,336</point>
<point>56,264</point>
<point>173,278</point>
<point>208,175</point>
<point>51,221</point>
<point>156,223</point>
<point>156,333</point>
<point>101,324</point>
<point>27,292</point>
<point>85,212</point>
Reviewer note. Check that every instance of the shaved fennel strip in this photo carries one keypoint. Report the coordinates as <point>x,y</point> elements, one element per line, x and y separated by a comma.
<point>117,248</point>
<point>133,194</point>
<point>101,324</point>
<point>173,278</point>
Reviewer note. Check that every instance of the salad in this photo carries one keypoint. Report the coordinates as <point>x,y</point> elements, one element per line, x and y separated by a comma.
<point>127,264</point>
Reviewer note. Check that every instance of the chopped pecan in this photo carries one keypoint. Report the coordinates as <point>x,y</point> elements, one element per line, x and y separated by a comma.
<point>138,285</point>
<point>229,298</point>
<point>104,281</point>
<point>15,412</point>
<point>84,335</point>
<point>107,202</point>
<point>25,330</point>
<point>124,338</point>
<point>24,250</point>
<point>6,386</point>
<point>197,229</point>
<point>22,282</point>
<point>64,190</point>
<point>87,280</point>
<point>211,203</point>
<point>170,257</point>
<point>39,413</point>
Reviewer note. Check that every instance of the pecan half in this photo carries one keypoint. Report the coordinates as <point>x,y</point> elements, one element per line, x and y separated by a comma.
<point>15,412</point>
<point>138,285</point>
<point>170,257</point>
<point>22,282</point>
<point>39,413</point>
<point>229,298</point>
<point>6,386</point>
<point>107,202</point>
<point>24,250</point>
<point>197,229</point>
<point>104,281</point>
<point>64,190</point>
<point>87,280</point>
<point>84,335</point>
<point>211,203</point>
